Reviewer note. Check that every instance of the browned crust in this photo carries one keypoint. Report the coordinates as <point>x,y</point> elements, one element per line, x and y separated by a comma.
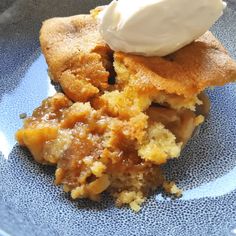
<point>77,56</point>
<point>186,72</point>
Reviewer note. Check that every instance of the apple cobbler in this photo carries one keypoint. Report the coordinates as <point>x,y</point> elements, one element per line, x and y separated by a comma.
<point>120,116</point>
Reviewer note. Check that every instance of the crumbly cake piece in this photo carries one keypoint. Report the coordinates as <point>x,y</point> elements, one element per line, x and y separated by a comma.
<point>95,152</point>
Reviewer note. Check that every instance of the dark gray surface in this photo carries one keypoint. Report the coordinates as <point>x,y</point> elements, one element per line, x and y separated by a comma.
<point>29,202</point>
<point>4,4</point>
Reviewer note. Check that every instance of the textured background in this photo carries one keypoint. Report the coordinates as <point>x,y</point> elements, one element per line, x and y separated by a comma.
<point>29,202</point>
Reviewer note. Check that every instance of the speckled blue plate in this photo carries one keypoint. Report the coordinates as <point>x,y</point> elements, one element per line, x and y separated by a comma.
<point>29,202</point>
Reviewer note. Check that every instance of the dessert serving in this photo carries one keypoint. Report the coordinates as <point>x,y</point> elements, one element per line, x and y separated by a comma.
<point>132,80</point>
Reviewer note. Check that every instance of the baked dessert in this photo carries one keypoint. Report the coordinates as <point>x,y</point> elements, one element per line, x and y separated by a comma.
<point>121,116</point>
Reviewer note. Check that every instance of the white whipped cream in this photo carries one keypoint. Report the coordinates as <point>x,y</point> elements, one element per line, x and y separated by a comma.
<point>157,27</point>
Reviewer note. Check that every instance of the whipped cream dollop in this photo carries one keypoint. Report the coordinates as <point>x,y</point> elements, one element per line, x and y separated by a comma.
<point>156,27</point>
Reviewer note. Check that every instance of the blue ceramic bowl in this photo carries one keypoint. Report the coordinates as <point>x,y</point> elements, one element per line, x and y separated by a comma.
<point>31,205</point>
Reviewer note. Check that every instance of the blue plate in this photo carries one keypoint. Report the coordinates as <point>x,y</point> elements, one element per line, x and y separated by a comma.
<point>31,205</point>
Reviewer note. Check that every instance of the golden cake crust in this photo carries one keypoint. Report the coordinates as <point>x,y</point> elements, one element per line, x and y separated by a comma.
<point>77,56</point>
<point>63,38</point>
<point>187,72</point>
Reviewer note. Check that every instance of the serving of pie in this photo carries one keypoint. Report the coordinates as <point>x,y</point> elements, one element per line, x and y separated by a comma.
<point>120,116</point>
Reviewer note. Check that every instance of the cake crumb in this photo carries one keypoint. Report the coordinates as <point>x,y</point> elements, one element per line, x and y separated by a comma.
<point>170,187</point>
